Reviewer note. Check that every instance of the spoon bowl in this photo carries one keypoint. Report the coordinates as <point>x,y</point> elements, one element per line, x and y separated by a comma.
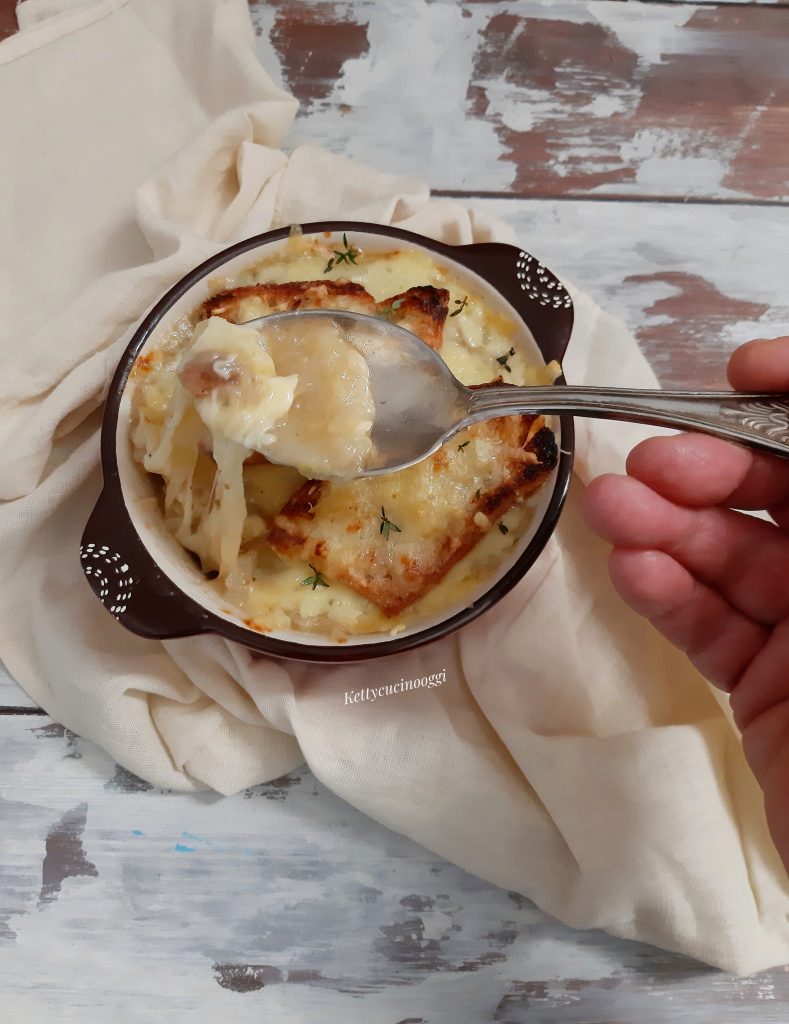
<point>418,400</point>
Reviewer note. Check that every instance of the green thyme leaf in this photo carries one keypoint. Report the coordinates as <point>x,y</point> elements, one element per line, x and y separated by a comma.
<point>387,525</point>
<point>347,256</point>
<point>461,305</point>
<point>503,360</point>
<point>503,528</point>
<point>477,493</point>
<point>462,446</point>
<point>316,580</point>
<point>388,312</point>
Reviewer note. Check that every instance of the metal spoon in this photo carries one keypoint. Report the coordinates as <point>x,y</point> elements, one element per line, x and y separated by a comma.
<point>420,404</point>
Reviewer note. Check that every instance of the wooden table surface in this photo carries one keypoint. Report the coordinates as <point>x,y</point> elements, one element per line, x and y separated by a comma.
<point>641,149</point>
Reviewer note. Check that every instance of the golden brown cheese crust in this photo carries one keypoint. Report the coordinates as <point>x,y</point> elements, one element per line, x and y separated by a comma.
<point>421,310</point>
<point>336,526</point>
<point>235,304</point>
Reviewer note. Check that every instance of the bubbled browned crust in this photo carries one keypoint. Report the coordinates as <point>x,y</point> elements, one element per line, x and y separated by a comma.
<point>281,298</point>
<point>299,531</point>
<point>421,310</point>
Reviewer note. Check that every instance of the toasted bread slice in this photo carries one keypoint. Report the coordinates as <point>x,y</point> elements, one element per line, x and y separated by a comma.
<point>438,510</point>
<point>421,310</point>
<point>249,301</point>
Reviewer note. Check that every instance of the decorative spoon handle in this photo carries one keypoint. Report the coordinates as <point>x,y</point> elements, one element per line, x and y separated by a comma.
<point>754,419</point>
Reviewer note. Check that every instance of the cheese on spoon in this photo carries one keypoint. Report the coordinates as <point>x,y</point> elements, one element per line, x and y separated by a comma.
<point>297,392</point>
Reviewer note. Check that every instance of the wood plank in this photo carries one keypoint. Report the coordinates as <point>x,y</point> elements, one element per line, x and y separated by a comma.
<point>691,281</point>
<point>283,903</point>
<point>8,24</point>
<point>553,98</point>
<point>715,3</point>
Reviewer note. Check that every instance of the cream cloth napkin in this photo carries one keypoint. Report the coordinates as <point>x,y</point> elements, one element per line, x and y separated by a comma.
<point>571,755</point>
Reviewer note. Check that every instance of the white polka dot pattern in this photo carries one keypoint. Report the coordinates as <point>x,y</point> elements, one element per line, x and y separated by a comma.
<point>111,577</point>
<point>540,285</point>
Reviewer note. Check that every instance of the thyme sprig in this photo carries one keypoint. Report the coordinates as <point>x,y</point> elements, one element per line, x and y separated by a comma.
<point>348,255</point>
<point>461,305</point>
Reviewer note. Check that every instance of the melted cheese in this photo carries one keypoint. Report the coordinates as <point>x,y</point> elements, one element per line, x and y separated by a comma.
<point>299,394</point>
<point>246,397</point>
<point>326,433</point>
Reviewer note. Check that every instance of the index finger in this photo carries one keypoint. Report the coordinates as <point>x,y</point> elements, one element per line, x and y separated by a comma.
<point>698,471</point>
<point>760,365</point>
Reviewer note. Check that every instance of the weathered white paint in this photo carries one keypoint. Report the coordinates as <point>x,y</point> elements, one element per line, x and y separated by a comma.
<point>661,156</point>
<point>118,902</point>
<point>635,26</point>
<point>383,105</point>
<point>398,117</point>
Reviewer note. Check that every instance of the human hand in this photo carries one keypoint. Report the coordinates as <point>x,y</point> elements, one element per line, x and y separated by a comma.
<point>714,581</point>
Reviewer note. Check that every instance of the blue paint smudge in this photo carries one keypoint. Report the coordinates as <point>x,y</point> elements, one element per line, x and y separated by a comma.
<point>137,832</point>
<point>184,849</point>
